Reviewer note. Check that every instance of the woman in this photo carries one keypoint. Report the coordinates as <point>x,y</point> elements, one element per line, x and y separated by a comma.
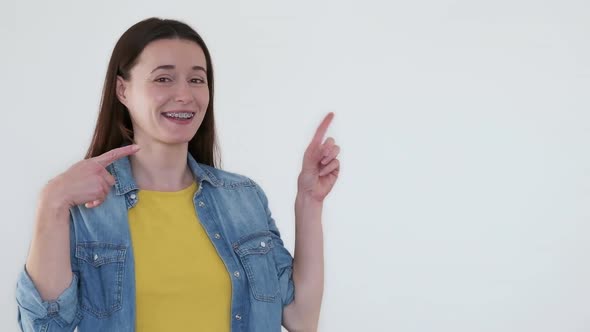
<point>147,234</point>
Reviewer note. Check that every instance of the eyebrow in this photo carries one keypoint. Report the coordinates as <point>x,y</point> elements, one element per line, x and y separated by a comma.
<point>168,67</point>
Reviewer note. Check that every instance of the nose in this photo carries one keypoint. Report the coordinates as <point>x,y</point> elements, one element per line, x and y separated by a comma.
<point>184,93</point>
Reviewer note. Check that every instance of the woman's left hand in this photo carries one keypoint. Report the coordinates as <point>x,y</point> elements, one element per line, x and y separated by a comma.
<point>320,166</point>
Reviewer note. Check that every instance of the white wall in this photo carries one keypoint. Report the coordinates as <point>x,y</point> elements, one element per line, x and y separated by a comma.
<point>463,202</point>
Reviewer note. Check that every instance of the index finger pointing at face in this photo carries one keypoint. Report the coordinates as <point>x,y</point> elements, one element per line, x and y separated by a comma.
<point>321,131</point>
<point>108,157</point>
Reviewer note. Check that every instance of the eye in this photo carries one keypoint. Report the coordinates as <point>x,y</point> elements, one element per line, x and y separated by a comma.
<point>197,80</point>
<point>162,79</point>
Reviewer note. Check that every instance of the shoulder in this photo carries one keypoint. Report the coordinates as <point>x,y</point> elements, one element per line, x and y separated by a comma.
<point>231,180</point>
<point>228,179</point>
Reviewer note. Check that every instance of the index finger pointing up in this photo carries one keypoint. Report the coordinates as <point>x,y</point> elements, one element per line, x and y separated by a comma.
<point>322,129</point>
<point>108,157</point>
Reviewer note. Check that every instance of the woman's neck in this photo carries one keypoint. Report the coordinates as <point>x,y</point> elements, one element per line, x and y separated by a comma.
<point>161,167</point>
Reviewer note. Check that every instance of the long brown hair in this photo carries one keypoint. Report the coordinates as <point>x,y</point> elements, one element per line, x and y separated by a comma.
<point>113,126</point>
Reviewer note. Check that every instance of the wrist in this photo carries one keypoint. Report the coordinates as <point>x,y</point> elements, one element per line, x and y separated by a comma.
<point>307,199</point>
<point>52,199</point>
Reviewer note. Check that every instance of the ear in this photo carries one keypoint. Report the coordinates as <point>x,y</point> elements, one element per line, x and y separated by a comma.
<point>120,90</point>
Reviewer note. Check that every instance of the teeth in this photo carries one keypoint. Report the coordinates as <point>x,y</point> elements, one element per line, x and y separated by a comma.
<point>182,115</point>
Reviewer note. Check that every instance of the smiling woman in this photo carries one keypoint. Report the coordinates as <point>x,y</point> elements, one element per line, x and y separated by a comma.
<point>166,92</point>
<point>154,62</point>
<point>148,234</point>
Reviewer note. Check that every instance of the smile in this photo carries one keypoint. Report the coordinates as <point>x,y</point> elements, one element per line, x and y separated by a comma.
<point>179,115</point>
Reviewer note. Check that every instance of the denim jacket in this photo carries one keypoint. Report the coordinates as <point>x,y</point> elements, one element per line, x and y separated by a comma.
<point>234,212</point>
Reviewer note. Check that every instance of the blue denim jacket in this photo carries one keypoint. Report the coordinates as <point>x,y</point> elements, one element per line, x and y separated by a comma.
<point>234,212</point>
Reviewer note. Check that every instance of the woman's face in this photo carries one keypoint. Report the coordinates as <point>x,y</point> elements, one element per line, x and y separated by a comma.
<point>167,93</point>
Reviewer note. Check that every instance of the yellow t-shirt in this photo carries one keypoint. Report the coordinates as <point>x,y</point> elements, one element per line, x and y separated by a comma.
<point>181,282</point>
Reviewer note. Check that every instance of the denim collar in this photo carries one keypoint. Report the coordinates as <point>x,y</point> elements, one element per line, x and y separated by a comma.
<point>124,181</point>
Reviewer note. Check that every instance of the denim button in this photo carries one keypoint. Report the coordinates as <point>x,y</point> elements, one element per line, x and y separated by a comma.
<point>217,236</point>
<point>53,307</point>
<point>262,244</point>
<point>95,256</point>
<point>238,317</point>
<point>201,204</point>
<point>237,274</point>
<point>133,196</point>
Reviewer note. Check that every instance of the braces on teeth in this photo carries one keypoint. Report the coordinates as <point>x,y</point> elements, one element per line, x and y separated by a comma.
<point>180,115</point>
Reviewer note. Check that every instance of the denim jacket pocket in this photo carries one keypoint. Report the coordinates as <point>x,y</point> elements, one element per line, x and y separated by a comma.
<point>256,255</point>
<point>101,268</point>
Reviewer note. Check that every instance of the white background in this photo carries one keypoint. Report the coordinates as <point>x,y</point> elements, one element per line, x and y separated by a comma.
<point>463,201</point>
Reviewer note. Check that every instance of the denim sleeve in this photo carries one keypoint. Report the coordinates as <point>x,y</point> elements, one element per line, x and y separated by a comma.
<point>35,314</point>
<point>283,258</point>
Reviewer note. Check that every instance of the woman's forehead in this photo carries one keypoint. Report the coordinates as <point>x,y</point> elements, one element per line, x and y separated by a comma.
<point>178,53</point>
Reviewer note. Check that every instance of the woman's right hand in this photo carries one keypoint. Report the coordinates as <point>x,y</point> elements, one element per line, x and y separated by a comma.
<point>86,181</point>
